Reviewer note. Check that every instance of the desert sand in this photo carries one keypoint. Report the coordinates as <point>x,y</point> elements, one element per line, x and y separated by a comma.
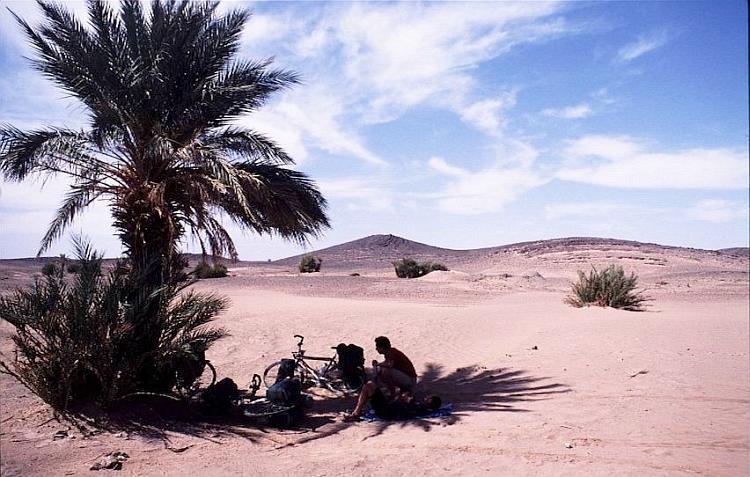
<point>538,387</point>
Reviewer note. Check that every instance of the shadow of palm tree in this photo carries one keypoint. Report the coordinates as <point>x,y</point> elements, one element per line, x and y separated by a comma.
<point>478,389</point>
<point>469,389</point>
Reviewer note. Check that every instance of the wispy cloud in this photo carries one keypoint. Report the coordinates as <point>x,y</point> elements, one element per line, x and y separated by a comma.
<point>643,45</point>
<point>718,211</point>
<point>358,194</point>
<point>488,189</point>
<point>393,58</point>
<point>621,161</point>
<point>572,112</point>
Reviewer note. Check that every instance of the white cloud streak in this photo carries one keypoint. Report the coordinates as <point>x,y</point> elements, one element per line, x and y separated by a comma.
<point>573,112</point>
<point>643,45</point>
<point>620,161</point>
<point>718,211</point>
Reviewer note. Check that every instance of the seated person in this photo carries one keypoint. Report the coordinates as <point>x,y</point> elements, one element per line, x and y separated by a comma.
<point>396,370</point>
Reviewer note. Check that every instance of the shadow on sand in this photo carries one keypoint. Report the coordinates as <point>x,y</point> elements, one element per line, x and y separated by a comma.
<point>471,389</point>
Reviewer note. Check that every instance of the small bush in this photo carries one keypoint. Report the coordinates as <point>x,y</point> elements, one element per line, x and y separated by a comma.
<point>73,267</point>
<point>204,270</point>
<point>50,269</point>
<point>409,268</point>
<point>310,263</point>
<point>608,288</point>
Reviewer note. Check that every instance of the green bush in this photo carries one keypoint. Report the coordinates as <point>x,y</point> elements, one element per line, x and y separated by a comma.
<point>310,263</point>
<point>608,288</point>
<point>73,267</point>
<point>84,337</point>
<point>50,269</point>
<point>204,270</point>
<point>409,268</point>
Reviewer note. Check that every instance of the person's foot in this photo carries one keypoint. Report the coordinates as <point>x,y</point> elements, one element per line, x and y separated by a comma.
<point>352,417</point>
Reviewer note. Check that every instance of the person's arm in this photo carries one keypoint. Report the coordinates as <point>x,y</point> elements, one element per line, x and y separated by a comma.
<point>387,361</point>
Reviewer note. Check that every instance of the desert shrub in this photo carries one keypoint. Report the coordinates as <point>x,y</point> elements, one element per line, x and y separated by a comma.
<point>310,263</point>
<point>73,267</point>
<point>50,269</point>
<point>608,288</point>
<point>204,270</point>
<point>85,338</point>
<point>409,268</point>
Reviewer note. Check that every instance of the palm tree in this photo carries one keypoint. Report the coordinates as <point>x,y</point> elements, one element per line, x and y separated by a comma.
<point>162,90</point>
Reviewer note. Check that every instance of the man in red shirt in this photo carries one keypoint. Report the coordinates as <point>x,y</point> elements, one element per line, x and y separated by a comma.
<point>395,371</point>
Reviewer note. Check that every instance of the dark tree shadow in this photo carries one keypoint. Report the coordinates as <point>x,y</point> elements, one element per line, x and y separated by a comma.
<point>469,389</point>
<point>477,389</point>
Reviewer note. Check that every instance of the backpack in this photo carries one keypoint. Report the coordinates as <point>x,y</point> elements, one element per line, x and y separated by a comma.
<point>286,369</point>
<point>352,364</point>
<point>218,399</point>
<point>287,392</point>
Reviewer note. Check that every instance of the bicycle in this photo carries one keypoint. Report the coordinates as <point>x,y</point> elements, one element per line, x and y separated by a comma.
<point>327,376</point>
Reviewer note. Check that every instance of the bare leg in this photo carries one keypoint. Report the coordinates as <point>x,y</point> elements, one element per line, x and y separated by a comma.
<point>386,377</point>
<point>367,391</point>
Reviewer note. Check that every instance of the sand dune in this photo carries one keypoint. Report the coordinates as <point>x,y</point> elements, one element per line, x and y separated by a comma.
<point>539,388</point>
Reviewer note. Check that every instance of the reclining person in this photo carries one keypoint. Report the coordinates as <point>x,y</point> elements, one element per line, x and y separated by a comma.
<point>404,406</point>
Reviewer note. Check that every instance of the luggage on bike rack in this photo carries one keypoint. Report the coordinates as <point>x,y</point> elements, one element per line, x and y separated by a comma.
<point>286,369</point>
<point>352,364</point>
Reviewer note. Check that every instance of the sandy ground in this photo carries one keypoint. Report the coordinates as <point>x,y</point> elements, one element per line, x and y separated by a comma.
<point>539,388</point>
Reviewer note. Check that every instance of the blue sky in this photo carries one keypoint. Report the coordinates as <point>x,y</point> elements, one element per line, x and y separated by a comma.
<point>471,124</point>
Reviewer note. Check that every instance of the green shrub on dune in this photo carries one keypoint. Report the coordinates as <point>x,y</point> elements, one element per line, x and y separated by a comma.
<point>608,288</point>
<point>409,268</point>
<point>310,264</point>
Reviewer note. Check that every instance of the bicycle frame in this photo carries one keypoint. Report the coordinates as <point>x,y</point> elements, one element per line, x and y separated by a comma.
<point>304,368</point>
<point>324,376</point>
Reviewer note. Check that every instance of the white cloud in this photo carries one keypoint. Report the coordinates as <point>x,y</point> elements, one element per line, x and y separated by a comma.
<point>359,194</point>
<point>485,114</point>
<point>620,161</point>
<point>718,211</point>
<point>643,45</point>
<point>398,55</point>
<point>485,191</point>
<point>589,210</point>
<point>573,112</point>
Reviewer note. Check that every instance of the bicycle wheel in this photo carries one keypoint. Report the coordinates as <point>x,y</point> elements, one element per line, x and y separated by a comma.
<point>271,373</point>
<point>207,377</point>
<point>204,380</point>
<point>262,407</point>
<point>335,381</point>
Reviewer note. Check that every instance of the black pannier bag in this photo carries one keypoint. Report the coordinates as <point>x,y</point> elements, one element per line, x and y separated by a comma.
<point>218,399</point>
<point>286,369</point>
<point>352,364</point>
<point>286,392</point>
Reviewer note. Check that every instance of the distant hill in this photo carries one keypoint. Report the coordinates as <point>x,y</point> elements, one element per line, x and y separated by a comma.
<point>386,248</point>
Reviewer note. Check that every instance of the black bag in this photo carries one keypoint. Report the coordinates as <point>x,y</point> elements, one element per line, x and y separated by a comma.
<point>218,399</point>
<point>285,393</point>
<point>352,364</point>
<point>286,369</point>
